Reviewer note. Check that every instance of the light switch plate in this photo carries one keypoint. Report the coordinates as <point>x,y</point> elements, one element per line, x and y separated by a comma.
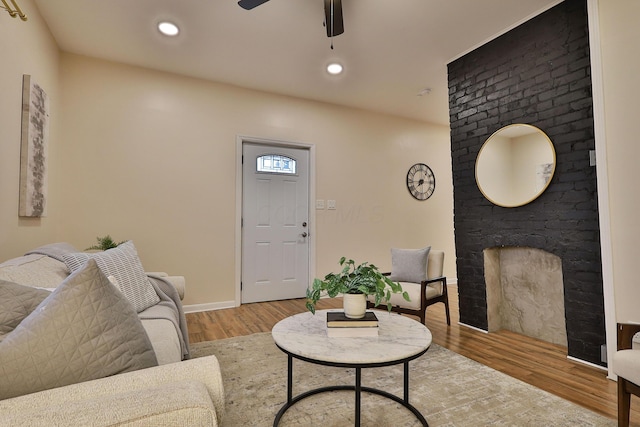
<point>331,204</point>
<point>320,204</point>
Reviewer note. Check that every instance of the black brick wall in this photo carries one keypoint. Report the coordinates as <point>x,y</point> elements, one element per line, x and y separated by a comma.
<point>538,73</point>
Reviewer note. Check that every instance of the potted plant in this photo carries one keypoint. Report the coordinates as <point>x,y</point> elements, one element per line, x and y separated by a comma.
<point>355,282</point>
<point>104,243</point>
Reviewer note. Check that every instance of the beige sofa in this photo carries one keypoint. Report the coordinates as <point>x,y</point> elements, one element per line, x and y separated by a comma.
<point>164,322</point>
<point>176,392</point>
<point>185,393</point>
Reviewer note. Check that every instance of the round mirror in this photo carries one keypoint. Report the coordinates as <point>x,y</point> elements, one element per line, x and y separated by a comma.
<point>515,165</point>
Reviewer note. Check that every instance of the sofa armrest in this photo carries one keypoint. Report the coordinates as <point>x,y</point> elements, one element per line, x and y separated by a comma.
<point>204,370</point>
<point>178,282</point>
<point>156,273</point>
<point>442,279</point>
<point>626,331</point>
<point>184,403</point>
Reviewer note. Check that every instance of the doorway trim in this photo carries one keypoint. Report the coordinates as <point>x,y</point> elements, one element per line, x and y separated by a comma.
<point>240,140</point>
<point>602,178</point>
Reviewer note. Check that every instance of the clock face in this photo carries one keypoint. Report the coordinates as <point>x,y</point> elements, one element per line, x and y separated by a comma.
<point>420,181</point>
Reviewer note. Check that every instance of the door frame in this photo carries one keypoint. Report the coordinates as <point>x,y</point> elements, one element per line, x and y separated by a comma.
<point>240,141</point>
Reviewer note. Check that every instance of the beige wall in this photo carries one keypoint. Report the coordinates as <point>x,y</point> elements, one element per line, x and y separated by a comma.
<point>25,48</point>
<point>151,157</point>
<point>619,32</point>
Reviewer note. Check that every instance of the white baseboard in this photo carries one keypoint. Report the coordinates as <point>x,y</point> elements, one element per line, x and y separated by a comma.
<point>584,362</point>
<point>473,327</point>
<point>195,308</point>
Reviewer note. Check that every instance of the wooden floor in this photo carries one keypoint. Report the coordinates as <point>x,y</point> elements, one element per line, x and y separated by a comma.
<point>533,361</point>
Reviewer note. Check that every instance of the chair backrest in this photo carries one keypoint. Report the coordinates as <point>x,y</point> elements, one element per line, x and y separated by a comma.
<point>435,264</point>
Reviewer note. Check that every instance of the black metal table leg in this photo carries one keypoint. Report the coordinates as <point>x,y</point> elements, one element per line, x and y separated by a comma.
<point>406,382</point>
<point>289,378</point>
<point>357,388</point>
<point>313,392</point>
<point>358,395</point>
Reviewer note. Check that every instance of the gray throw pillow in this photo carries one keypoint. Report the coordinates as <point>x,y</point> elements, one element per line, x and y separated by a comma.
<point>409,265</point>
<point>16,303</point>
<point>121,262</point>
<point>85,330</point>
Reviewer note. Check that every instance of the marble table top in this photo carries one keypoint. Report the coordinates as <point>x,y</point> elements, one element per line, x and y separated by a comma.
<point>305,334</point>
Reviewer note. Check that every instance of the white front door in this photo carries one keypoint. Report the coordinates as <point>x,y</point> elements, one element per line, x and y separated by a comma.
<point>275,222</point>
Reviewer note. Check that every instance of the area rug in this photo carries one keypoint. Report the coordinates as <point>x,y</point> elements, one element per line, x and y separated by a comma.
<point>449,389</point>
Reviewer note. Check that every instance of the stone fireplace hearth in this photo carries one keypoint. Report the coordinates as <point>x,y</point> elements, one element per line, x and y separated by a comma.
<point>525,293</point>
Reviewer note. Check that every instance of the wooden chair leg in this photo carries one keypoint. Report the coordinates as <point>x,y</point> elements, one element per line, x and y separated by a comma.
<point>624,403</point>
<point>445,295</point>
<point>446,309</point>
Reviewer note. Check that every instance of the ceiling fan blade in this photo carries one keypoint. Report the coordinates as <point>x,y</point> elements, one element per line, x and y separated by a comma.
<point>250,4</point>
<point>333,17</point>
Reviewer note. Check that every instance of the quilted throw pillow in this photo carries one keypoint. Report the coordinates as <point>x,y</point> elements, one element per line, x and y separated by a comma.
<point>84,330</point>
<point>16,303</point>
<point>121,262</point>
<point>409,265</point>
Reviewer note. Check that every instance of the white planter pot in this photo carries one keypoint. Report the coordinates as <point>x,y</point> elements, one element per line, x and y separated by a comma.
<point>355,305</point>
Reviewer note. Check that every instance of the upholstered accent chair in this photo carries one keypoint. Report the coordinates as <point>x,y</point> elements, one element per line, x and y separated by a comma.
<point>626,365</point>
<point>420,273</point>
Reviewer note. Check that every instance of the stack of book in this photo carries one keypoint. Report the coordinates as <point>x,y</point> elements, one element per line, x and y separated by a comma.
<point>339,325</point>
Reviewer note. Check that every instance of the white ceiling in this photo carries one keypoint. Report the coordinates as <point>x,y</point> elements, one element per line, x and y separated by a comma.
<point>391,49</point>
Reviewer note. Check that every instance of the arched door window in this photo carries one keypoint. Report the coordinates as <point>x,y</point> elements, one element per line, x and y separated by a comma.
<point>276,163</point>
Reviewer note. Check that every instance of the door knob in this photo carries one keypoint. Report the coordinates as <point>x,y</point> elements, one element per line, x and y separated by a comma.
<point>304,234</point>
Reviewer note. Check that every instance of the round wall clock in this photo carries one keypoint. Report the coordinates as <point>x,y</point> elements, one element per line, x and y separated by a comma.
<point>421,182</point>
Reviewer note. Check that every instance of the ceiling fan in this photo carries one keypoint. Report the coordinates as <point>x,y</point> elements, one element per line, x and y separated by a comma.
<point>332,14</point>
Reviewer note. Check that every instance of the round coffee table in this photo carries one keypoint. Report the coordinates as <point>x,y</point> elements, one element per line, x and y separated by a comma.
<point>304,337</point>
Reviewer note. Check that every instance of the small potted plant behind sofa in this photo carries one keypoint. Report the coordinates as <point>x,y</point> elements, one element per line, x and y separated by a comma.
<point>355,282</point>
<point>104,243</point>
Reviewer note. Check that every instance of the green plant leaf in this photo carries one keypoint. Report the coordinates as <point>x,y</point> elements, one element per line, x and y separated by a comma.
<point>363,278</point>
<point>104,243</point>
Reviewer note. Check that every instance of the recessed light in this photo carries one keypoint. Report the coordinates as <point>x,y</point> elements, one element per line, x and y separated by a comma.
<point>334,68</point>
<point>168,28</point>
